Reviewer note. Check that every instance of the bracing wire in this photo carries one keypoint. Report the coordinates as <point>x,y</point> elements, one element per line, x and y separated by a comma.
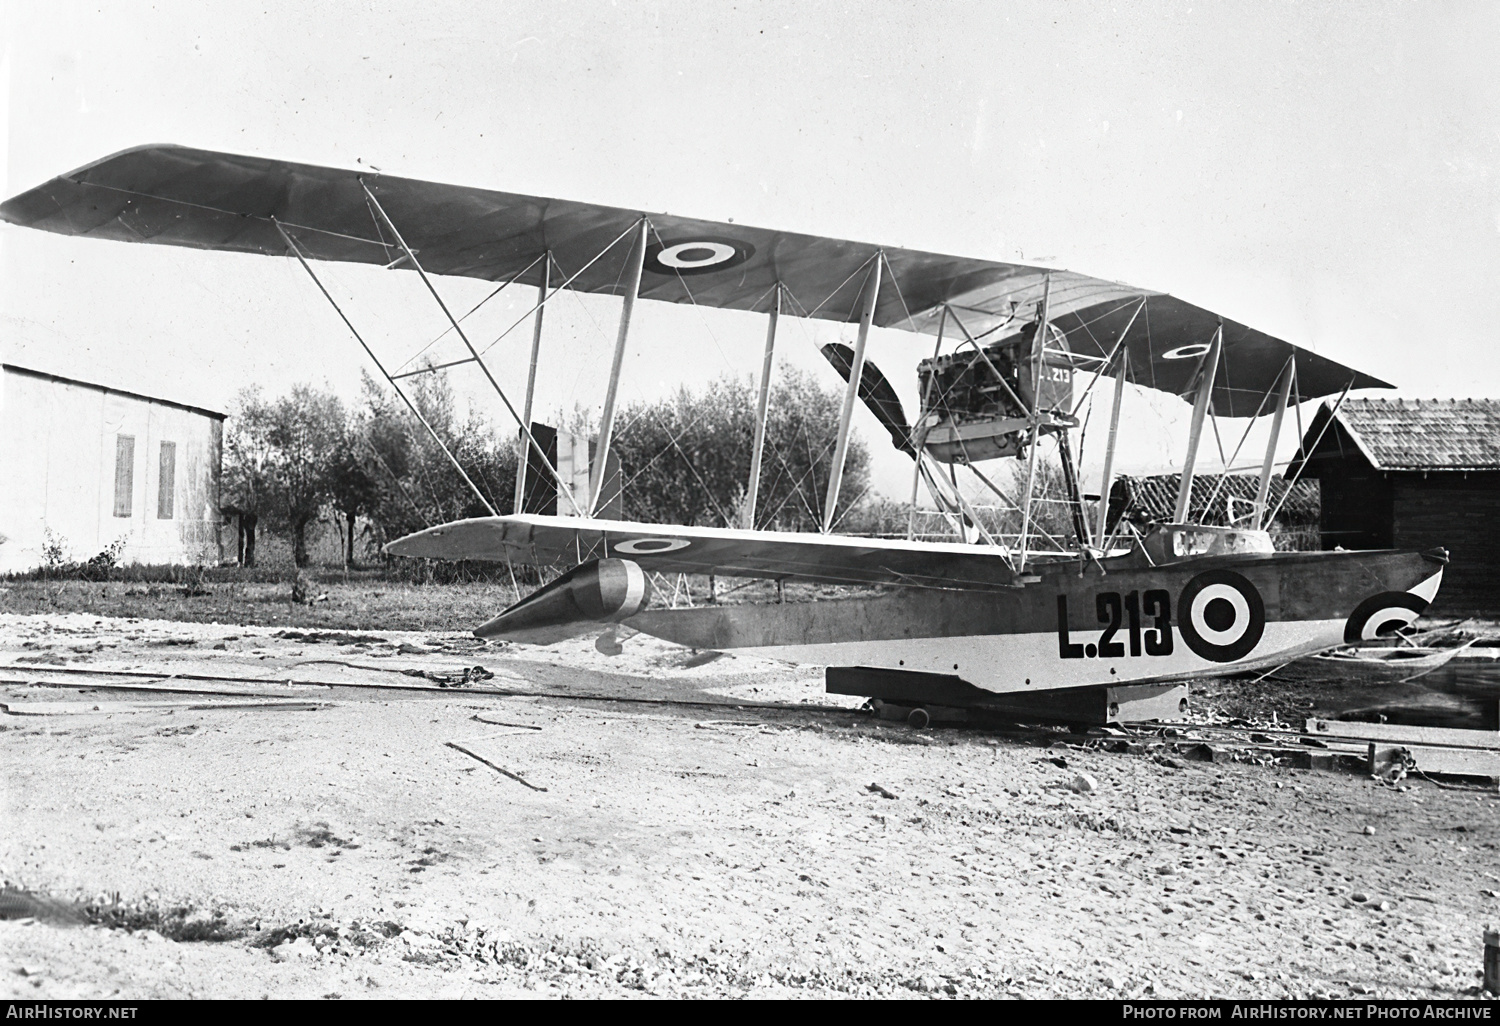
<point>381,367</point>
<point>513,279</point>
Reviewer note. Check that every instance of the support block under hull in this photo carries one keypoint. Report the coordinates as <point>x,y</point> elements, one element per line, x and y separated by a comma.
<point>1131,703</point>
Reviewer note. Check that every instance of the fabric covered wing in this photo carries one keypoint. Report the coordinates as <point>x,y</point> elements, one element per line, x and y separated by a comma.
<point>175,195</point>
<point>831,559</point>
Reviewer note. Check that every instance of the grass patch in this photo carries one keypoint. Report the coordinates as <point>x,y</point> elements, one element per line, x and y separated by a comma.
<point>356,603</point>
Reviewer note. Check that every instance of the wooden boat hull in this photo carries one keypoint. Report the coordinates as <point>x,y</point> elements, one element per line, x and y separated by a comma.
<point>1077,626</point>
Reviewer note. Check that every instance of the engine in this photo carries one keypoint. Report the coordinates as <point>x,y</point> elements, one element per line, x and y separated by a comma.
<point>975,405</point>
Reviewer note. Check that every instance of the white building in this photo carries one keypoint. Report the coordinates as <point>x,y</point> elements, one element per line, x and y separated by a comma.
<point>85,466</point>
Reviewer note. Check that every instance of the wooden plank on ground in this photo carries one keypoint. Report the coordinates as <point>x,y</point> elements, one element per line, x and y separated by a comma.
<point>1460,762</point>
<point>1394,733</point>
<point>111,708</point>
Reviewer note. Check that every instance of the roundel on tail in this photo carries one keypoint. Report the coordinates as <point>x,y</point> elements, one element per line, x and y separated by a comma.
<point>1383,614</point>
<point>1221,616</point>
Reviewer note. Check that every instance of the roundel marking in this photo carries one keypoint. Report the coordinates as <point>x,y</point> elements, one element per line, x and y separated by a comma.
<point>1382,614</point>
<point>697,256</point>
<point>1186,352</point>
<point>1221,616</point>
<point>651,546</point>
<point>693,255</point>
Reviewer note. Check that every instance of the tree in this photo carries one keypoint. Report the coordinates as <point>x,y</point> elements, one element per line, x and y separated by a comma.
<point>685,458</point>
<point>248,466</point>
<point>415,484</point>
<point>352,487</point>
<point>301,437</point>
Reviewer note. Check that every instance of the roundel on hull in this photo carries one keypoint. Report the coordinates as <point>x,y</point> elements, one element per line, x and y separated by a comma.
<point>698,255</point>
<point>1221,616</point>
<point>1383,614</point>
<point>650,546</point>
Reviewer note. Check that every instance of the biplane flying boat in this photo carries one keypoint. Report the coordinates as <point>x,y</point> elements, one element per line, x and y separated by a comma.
<point>1099,623</point>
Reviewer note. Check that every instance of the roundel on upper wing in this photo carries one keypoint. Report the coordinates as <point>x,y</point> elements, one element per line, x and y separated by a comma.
<point>1385,613</point>
<point>697,255</point>
<point>1186,352</point>
<point>1221,616</point>
<point>650,546</point>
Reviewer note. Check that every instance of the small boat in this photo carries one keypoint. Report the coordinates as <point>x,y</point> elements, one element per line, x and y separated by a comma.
<point>1391,665</point>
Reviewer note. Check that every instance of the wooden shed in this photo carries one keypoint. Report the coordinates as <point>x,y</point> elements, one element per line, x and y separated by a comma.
<point>1223,499</point>
<point>1413,474</point>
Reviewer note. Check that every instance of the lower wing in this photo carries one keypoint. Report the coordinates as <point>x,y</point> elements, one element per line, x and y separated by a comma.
<point>534,540</point>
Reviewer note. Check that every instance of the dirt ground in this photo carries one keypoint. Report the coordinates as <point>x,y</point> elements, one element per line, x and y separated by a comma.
<point>317,840</point>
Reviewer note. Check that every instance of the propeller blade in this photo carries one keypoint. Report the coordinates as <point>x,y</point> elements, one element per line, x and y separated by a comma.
<point>877,393</point>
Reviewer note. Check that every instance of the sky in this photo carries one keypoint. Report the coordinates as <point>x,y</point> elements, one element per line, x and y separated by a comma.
<point>1325,172</point>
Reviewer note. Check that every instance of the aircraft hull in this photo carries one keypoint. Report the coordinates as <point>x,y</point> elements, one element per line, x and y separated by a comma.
<point>1194,618</point>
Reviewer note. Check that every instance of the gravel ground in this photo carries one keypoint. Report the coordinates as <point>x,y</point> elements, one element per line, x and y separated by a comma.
<point>344,848</point>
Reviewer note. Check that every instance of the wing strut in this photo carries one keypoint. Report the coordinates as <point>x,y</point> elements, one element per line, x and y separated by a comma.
<point>1284,396</point>
<point>1195,429</point>
<point>1039,347</point>
<point>1114,418</point>
<point>762,408</point>
<point>381,367</point>
<point>856,371</point>
<point>637,262</point>
<point>1109,446</point>
<point>525,428</point>
<point>919,442</point>
<point>536,349</point>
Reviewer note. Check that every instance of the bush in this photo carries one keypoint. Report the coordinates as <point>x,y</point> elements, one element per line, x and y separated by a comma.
<point>57,565</point>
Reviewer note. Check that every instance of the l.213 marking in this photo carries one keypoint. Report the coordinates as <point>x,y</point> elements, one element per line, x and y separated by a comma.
<point>1115,611</point>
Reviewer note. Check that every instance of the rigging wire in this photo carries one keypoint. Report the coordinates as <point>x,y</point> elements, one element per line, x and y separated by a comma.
<point>397,482</point>
<point>707,491</point>
<point>796,489</point>
<point>1229,464</point>
<point>1307,455</point>
<point>838,288</point>
<point>381,367</point>
<point>692,301</point>
<point>238,214</point>
<point>515,278</point>
<point>525,428</point>
<point>543,302</point>
<point>639,416</point>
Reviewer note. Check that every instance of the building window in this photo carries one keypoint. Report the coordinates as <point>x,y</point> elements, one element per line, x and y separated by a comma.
<point>124,473</point>
<point>166,481</point>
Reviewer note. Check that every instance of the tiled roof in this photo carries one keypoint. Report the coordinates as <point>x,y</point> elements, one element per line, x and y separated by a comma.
<point>1424,434</point>
<point>1156,497</point>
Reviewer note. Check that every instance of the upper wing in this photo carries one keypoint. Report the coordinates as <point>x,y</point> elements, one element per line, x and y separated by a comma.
<point>830,559</point>
<point>175,195</point>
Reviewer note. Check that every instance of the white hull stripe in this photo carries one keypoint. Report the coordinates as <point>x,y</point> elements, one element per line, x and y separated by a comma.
<point>1030,662</point>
